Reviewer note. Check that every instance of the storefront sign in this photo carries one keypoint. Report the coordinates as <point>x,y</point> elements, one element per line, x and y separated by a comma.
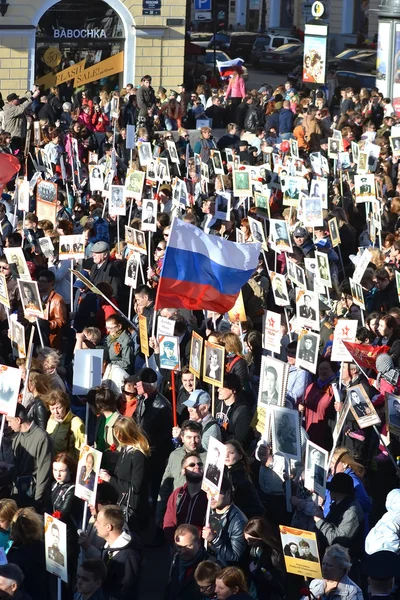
<point>151,7</point>
<point>79,33</point>
<point>52,57</point>
<point>80,75</point>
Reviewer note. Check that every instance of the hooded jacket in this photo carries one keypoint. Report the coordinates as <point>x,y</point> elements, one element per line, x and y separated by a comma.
<point>123,561</point>
<point>385,535</point>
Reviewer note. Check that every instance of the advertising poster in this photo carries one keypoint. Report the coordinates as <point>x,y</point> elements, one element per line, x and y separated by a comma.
<point>382,57</point>
<point>314,59</point>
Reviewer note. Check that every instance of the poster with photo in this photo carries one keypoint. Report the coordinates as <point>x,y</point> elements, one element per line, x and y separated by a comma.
<point>345,331</point>
<point>395,144</point>
<point>151,172</point>
<point>257,231</point>
<point>294,148</point>
<point>169,352</point>
<point>214,467</point>
<point>132,269</point>
<point>307,309</point>
<point>55,541</point>
<point>333,148</point>
<point>114,112</point>
<point>323,272</point>
<point>261,201</point>
<point>355,151</point>
<point>30,299</point>
<point>46,200</point>
<point>272,331</point>
<point>87,474</point>
<point>280,235</point>
<point>140,241</point>
<point>17,337</point>
<point>10,382</point>
<point>4,297</point>
<point>279,289</point>
<point>23,194</point>
<point>223,206</point>
<point>196,351</point>
<point>362,165</point>
<point>162,169</point>
<point>357,293</point>
<point>363,261</point>
<point>307,350</point>
<point>334,232</point>
<point>291,191</point>
<point>242,185</point>
<point>361,406</point>
<point>300,550</point>
<point>134,182</point>
<point>130,235</point>
<point>364,187</point>
<point>343,162</point>
<point>240,237</point>
<point>217,162</point>
<point>96,181</point>
<point>285,425</point>
<point>213,364</point>
<point>340,422</point>
<point>72,247</point>
<point>319,189</point>
<point>145,156</point>
<point>117,203</point>
<point>46,246</point>
<point>274,375</point>
<point>316,468</point>
<point>314,59</point>
<point>173,153</point>
<point>88,370</point>
<point>149,215</point>
<point>392,405</point>
<point>204,172</point>
<point>312,212</point>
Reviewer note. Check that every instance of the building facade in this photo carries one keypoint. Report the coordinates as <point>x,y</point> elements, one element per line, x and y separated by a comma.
<point>106,44</point>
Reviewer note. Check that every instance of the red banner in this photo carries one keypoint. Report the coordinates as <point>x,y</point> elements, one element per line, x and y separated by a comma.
<point>365,355</point>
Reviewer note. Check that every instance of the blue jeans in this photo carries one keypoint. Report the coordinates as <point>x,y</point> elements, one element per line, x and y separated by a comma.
<point>170,124</point>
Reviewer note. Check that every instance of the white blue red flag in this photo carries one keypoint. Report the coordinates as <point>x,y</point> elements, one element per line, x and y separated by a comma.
<point>228,67</point>
<point>203,272</point>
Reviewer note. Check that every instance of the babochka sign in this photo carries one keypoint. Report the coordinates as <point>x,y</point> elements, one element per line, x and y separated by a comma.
<point>81,76</point>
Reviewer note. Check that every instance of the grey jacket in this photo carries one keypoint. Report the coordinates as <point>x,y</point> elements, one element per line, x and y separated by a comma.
<point>14,117</point>
<point>172,479</point>
<point>346,590</point>
<point>343,525</point>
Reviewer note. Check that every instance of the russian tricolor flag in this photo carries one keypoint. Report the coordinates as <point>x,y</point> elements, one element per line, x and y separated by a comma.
<point>202,271</point>
<point>228,67</point>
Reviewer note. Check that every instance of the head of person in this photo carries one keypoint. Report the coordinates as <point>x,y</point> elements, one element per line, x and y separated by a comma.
<point>64,467</point>
<point>205,132</point>
<point>115,324</point>
<point>233,344</point>
<point>235,455</point>
<point>387,326</point>
<point>11,579</point>
<point>187,542</point>
<point>144,296</point>
<point>130,435</point>
<point>187,380</point>
<point>343,460</point>
<point>20,421</point>
<point>225,497</point>
<point>326,370</point>
<point>259,531</point>
<point>305,548</point>
<point>110,522</point>
<point>59,404</point>
<point>230,582</point>
<point>381,279</point>
<point>291,352</point>
<point>46,282</point>
<point>191,435</point>
<point>102,400</point>
<point>300,235</point>
<point>230,390</point>
<point>8,508</point>
<point>147,382</point>
<point>205,575</point>
<point>129,389</point>
<point>146,81</point>
<point>198,405</point>
<point>90,577</point>
<point>100,252</point>
<point>192,467</point>
<point>336,563</point>
<point>50,359</point>
<point>341,486</point>
<point>55,533</point>
<point>26,527</point>
<point>5,267</point>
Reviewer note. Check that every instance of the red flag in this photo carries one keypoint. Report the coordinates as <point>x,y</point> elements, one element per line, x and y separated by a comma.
<point>365,355</point>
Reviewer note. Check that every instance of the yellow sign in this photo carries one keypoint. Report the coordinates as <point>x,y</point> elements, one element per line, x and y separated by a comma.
<point>82,76</point>
<point>52,57</point>
<point>300,551</point>
<point>144,338</point>
<point>237,313</point>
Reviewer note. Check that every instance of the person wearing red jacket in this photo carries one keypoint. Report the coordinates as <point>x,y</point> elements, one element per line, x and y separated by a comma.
<point>187,504</point>
<point>100,121</point>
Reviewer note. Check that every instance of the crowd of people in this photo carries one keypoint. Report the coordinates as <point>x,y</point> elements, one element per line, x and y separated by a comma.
<point>311,176</point>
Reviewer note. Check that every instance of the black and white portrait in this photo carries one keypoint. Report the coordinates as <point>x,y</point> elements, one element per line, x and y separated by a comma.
<point>196,349</point>
<point>316,468</point>
<point>333,148</point>
<point>217,162</point>
<point>96,181</point>
<point>171,147</point>
<point>362,407</point>
<point>279,289</point>
<point>132,270</point>
<point>149,215</point>
<point>145,153</point>
<point>334,232</point>
<point>280,235</point>
<point>30,298</point>
<point>307,350</point>
<point>214,364</point>
<point>286,432</point>
<point>357,293</point>
<point>307,309</point>
<point>223,206</point>
<point>324,274</point>
<point>393,413</point>
<point>395,143</point>
<point>117,200</point>
<point>291,191</point>
<point>214,467</point>
<point>274,375</point>
<point>257,231</point>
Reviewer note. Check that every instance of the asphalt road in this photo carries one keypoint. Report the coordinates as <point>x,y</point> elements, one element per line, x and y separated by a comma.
<point>258,77</point>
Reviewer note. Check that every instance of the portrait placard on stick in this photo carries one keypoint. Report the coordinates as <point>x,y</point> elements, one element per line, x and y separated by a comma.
<point>55,541</point>
<point>316,468</point>
<point>132,269</point>
<point>17,336</point>
<point>357,293</point>
<point>307,309</point>
<point>196,350</point>
<point>272,331</point>
<point>214,364</point>
<point>87,474</point>
<point>285,432</point>
<point>279,289</point>
<point>301,552</point>
<point>361,406</point>
<point>4,298</point>
<point>169,352</point>
<point>72,247</point>
<point>30,299</point>
<point>16,259</point>
<point>88,367</point>
<point>10,381</point>
<point>345,331</point>
<point>393,413</point>
<point>307,350</point>
<point>274,376</point>
<point>334,232</point>
<point>214,467</point>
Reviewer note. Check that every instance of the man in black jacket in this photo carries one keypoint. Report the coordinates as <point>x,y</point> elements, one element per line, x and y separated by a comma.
<point>189,553</point>
<point>104,269</point>
<point>233,413</point>
<point>146,100</point>
<point>121,554</point>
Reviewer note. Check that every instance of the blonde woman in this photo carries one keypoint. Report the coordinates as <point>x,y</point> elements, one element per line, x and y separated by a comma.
<point>66,430</point>
<point>234,359</point>
<point>50,360</point>
<point>129,478</point>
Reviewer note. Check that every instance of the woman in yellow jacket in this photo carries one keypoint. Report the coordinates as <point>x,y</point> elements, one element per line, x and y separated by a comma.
<point>66,430</point>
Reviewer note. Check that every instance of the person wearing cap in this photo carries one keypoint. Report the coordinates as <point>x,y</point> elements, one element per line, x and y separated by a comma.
<point>173,477</point>
<point>336,584</point>
<point>381,569</point>
<point>344,522</point>
<point>303,241</point>
<point>199,407</point>
<point>14,115</point>
<point>104,269</point>
<point>153,414</point>
<point>232,412</point>
<point>188,503</point>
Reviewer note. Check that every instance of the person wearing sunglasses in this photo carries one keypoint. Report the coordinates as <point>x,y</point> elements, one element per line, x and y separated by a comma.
<point>153,273</point>
<point>188,503</point>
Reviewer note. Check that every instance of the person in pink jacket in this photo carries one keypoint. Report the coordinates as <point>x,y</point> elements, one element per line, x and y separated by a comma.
<point>236,90</point>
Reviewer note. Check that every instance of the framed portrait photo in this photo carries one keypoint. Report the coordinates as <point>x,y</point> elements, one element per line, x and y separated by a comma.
<point>134,182</point>
<point>392,404</point>
<point>323,270</point>
<point>361,406</point>
<point>149,215</point>
<point>132,269</point>
<point>72,246</point>
<point>279,289</point>
<point>213,364</point>
<point>317,462</point>
<point>242,185</point>
<point>280,235</point>
<point>87,474</point>
<point>223,206</point>
<point>217,162</point>
<point>300,551</point>
<point>357,293</point>
<point>4,297</point>
<point>96,180</point>
<point>117,205</point>
<point>257,231</point>
<point>334,232</point>
<point>214,467</point>
<point>10,381</point>
<point>307,309</point>
<point>334,147</point>
<point>55,541</point>
<point>307,350</point>
<point>169,352</point>
<point>285,424</point>
<point>196,351</point>
<point>274,375</point>
<point>145,155</point>
<point>30,299</point>
<point>17,336</point>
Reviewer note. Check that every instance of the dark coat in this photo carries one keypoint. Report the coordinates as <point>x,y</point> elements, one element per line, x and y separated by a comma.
<point>107,272</point>
<point>344,525</point>
<point>238,427</point>
<point>123,568</point>
<point>181,583</point>
<point>31,560</point>
<point>154,416</point>
<point>245,495</point>
<point>286,118</point>
<point>129,476</point>
<point>228,544</point>
<point>38,413</point>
